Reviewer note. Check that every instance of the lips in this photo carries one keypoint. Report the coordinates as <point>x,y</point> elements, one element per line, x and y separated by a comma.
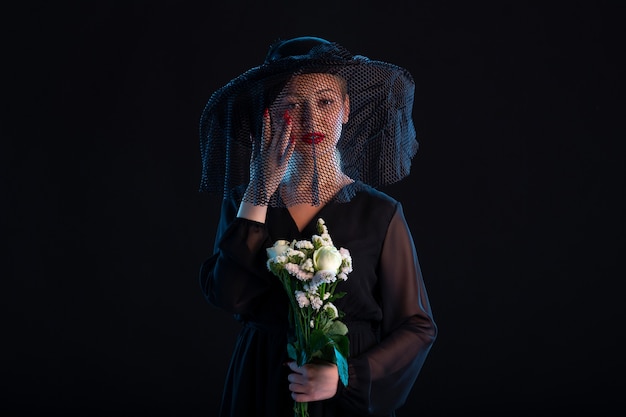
<point>313,138</point>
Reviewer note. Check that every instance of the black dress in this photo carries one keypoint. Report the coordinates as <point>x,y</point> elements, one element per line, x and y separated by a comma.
<point>391,328</point>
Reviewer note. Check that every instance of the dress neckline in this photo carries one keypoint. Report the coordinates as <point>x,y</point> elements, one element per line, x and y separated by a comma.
<point>318,214</point>
<point>310,223</point>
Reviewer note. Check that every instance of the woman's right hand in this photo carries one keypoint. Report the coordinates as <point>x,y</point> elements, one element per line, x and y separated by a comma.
<point>269,165</point>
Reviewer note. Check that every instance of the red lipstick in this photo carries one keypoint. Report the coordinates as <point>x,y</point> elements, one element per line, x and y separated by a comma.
<point>313,138</point>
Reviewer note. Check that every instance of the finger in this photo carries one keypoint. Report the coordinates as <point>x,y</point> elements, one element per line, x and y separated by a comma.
<point>266,130</point>
<point>287,144</point>
<point>302,398</point>
<point>297,386</point>
<point>295,378</point>
<point>280,144</point>
<point>299,396</point>
<point>254,147</point>
<point>286,156</point>
<point>293,365</point>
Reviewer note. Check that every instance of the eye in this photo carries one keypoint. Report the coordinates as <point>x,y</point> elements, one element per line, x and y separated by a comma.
<point>326,101</point>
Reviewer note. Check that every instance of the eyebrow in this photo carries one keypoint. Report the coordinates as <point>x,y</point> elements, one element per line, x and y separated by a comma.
<point>324,90</point>
<point>332,90</point>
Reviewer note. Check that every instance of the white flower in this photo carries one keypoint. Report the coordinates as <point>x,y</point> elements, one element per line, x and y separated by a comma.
<point>315,282</point>
<point>311,286</point>
<point>297,272</point>
<point>294,252</point>
<point>326,296</point>
<point>321,225</point>
<point>302,299</point>
<point>327,258</point>
<point>307,265</point>
<point>346,261</point>
<point>316,302</point>
<point>279,259</point>
<point>304,244</point>
<point>279,248</point>
<point>342,276</point>
<point>295,255</point>
<point>312,324</point>
<point>331,310</point>
<point>325,277</point>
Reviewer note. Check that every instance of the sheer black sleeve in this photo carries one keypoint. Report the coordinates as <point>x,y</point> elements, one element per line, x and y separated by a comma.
<point>381,378</point>
<point>231,278</point>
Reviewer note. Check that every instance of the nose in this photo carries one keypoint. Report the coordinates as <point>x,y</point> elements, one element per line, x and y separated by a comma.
<point>307,117</point>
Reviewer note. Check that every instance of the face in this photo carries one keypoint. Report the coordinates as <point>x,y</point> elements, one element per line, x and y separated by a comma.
<point>318,106</point>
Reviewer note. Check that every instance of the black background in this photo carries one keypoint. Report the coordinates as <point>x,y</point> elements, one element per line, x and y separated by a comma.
<point>515,200</point>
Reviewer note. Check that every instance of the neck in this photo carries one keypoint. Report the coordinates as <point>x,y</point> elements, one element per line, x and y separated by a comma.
<point>303,182</point>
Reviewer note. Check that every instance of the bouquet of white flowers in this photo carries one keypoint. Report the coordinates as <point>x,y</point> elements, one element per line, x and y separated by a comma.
<point>310,271</point>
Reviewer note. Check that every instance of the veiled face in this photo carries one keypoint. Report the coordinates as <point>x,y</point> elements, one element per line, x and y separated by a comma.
<point>318,106</point>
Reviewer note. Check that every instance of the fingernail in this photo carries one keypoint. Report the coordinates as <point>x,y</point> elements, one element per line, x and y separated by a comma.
<point>291,139</point>
<point>266,112</point>
<point>287,117</point>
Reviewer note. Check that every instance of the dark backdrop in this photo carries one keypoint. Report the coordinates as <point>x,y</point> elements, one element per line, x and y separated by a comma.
<point>514,201</point>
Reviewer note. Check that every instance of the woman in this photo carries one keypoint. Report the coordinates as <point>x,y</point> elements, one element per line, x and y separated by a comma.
<point>310,134</point>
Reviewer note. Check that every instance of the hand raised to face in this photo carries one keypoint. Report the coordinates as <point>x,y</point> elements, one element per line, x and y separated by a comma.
<point>270,162</point>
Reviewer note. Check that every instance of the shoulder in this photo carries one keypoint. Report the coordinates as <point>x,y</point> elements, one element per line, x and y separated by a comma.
<point>370,195</point>
<point>371,206</point>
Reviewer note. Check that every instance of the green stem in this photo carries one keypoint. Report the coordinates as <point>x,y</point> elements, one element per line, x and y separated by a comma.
<point>304,334</point>
<point>301,409</point>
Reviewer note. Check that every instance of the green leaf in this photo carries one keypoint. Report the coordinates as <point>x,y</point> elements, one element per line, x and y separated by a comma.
<point>318,340</point>
<point>291,351</point>
<point>342,344</point>
<point>304,358</point>
<point>319,354</point>
<point>338,295</point>
<point>337,328</point>
<point>342,366</point>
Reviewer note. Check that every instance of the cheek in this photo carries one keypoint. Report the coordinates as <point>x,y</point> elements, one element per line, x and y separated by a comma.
<point>338,125</point>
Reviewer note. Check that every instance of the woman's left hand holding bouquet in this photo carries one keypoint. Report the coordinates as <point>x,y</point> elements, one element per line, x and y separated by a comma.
<point>313,381</point>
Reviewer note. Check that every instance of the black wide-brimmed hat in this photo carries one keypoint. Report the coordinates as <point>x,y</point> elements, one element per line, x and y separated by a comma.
<point>376,144</point>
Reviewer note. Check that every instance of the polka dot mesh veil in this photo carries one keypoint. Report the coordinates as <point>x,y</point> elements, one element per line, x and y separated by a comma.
<point>338,118</point>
